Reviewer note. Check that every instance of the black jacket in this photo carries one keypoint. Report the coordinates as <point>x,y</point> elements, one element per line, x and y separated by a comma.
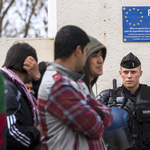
<point>21,133</point>
<point>138,107</point>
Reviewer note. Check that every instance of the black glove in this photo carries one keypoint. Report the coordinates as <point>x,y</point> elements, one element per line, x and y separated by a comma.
<point>100,113</point>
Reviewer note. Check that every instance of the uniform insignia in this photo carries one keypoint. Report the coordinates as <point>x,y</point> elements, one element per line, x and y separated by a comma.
<point>133,64</point>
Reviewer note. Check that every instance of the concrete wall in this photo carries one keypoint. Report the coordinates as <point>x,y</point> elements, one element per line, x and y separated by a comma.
<point>103,20</point>
<point>44,47</point>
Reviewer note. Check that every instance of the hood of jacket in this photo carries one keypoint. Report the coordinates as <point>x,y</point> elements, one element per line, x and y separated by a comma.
<point>93,46</point>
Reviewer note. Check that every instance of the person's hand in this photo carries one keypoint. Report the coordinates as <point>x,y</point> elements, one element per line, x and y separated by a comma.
<point>31,66</point>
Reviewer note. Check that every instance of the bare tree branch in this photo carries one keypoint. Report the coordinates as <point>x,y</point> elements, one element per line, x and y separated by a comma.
<point>7,8</point>
<point>20,15</point>
<point>29,20</point>
<point>2,17</point>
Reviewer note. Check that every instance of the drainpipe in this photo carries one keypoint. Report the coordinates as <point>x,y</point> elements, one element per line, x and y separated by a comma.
<point>52,18</point>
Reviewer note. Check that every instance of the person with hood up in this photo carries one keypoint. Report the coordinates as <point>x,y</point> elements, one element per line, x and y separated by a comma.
<point>93,67</point>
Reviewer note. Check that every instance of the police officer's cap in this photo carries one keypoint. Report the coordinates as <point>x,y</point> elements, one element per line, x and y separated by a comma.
<point>130,61</point>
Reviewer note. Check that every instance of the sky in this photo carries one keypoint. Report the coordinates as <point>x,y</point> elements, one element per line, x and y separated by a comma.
<point>17,24</point>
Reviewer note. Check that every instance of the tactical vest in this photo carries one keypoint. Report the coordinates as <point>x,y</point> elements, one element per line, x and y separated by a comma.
<point>139,110</point>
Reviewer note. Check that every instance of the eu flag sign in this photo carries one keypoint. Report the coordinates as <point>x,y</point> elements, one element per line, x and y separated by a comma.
<point>136,24</point>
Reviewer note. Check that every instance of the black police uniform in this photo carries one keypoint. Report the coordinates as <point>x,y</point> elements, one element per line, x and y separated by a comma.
<point>137,105</point>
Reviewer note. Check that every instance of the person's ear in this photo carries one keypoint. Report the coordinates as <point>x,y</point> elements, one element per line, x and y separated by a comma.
<point>78,51</point>
<point>141,72</point>
<point>120,72</point>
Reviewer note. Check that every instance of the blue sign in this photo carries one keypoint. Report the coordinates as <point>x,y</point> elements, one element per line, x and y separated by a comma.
<point>136,24</point>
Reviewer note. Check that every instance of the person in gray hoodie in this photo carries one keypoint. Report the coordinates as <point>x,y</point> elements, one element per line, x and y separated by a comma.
<point>93,67</point>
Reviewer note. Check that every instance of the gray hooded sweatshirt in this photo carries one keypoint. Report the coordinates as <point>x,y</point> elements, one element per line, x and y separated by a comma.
<point>93,46</point>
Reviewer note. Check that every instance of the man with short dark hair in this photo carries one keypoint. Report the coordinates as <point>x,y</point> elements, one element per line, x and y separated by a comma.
<point>70,116</point>
<point>20,65</point>
<point>134,98</point>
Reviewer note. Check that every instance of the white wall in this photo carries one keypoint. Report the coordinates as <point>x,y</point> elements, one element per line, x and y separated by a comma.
<point>103,20</point>
<point>52,18</point>
<point>44,47</point>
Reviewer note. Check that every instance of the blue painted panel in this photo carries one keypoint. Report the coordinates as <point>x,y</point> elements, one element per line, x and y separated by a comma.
<point>136,24</point>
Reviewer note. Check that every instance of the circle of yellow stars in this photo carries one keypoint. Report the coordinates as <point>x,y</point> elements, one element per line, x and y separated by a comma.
<point>134,9</point>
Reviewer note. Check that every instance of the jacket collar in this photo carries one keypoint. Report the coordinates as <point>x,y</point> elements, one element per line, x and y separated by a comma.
<point>64,70</point>
<point>126,91</point>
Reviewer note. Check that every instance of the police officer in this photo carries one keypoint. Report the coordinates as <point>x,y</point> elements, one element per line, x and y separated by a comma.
<point>134,98</point>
